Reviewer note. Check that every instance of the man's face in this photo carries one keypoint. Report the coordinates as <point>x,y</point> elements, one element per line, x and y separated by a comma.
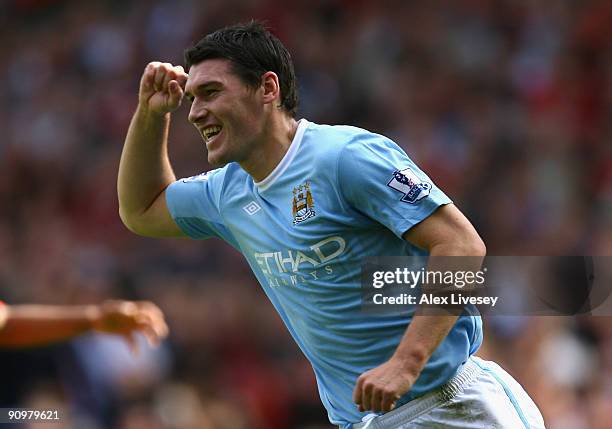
<point>227,113</point>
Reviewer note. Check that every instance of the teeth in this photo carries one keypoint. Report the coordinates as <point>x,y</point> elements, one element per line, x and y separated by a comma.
<point>209,132</point>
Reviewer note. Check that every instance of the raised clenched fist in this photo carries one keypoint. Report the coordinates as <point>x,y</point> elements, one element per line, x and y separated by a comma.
<point>161,87</point>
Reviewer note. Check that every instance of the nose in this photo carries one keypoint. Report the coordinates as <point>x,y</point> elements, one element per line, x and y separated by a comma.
<point>197,111</point>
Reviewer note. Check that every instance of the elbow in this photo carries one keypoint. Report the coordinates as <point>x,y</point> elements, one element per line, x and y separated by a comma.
<point>471,244</point>
<point>466,244</point>
<point>478,247</point>
<point>130,221</point>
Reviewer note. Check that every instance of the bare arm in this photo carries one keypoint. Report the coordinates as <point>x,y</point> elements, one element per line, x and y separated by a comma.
<point>145,170</point>
<point>448,233</point>
<point>32,325</point>
<point>445,233</point>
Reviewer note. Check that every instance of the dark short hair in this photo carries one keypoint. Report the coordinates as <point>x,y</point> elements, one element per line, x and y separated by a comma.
<point>252,51</point>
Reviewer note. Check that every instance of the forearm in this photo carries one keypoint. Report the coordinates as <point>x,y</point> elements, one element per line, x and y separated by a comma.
<point>422,338</point>
<point>144,169</point>
<point>445,234</point>
<point>431,324</point>
<point>31,325</point>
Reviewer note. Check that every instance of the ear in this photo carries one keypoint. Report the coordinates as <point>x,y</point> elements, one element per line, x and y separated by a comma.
<point>271,87</point>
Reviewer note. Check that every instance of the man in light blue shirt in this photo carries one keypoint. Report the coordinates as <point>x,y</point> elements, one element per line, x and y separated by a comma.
<point>305,204</point>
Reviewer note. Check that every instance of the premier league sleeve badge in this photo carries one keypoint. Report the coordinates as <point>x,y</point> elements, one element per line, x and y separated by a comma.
<point>407,182</point>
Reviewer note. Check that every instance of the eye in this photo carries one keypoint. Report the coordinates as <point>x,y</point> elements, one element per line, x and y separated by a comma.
<point>211,92</point>
<point>189,97</point>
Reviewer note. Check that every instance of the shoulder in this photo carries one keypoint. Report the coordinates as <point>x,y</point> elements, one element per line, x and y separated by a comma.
<point>333,141</point>
<point>340,135</point>
<point>218,178</point>
<point>215,174</point>
<point>195,195</point>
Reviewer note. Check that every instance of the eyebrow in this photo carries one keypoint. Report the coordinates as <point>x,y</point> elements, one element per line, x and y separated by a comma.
<point>203,86</point>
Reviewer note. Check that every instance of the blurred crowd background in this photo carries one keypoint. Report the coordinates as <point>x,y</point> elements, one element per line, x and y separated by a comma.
<point>507,104</point>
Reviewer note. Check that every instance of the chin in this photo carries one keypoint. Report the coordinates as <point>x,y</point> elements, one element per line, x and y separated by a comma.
<point>216,160</point>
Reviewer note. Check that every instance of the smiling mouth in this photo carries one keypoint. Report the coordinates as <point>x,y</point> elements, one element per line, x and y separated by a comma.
<point>209,133</point>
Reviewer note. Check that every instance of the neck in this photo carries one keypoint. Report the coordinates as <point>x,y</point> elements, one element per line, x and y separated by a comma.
<point>276,139</point>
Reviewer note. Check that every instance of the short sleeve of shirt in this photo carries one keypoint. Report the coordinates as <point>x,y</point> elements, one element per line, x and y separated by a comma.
<point>194,204</point>
<point>379,180</point>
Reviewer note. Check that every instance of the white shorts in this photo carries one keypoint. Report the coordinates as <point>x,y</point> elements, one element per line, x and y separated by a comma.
<point>480,396</point>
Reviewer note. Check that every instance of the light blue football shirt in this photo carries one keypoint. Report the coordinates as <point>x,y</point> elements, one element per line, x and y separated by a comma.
<point>340,194</point>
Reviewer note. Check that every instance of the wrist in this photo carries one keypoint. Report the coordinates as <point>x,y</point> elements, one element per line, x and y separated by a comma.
<point>412,361</point>
<point>146,113</point>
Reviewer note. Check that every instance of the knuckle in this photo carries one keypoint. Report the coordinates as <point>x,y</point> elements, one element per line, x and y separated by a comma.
<point>388,392</point>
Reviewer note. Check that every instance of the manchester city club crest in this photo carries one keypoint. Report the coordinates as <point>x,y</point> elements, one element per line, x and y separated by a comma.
<point>303,204</point>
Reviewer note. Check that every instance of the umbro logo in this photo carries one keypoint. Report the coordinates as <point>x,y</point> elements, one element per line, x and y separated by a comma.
<point>251,208</point>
